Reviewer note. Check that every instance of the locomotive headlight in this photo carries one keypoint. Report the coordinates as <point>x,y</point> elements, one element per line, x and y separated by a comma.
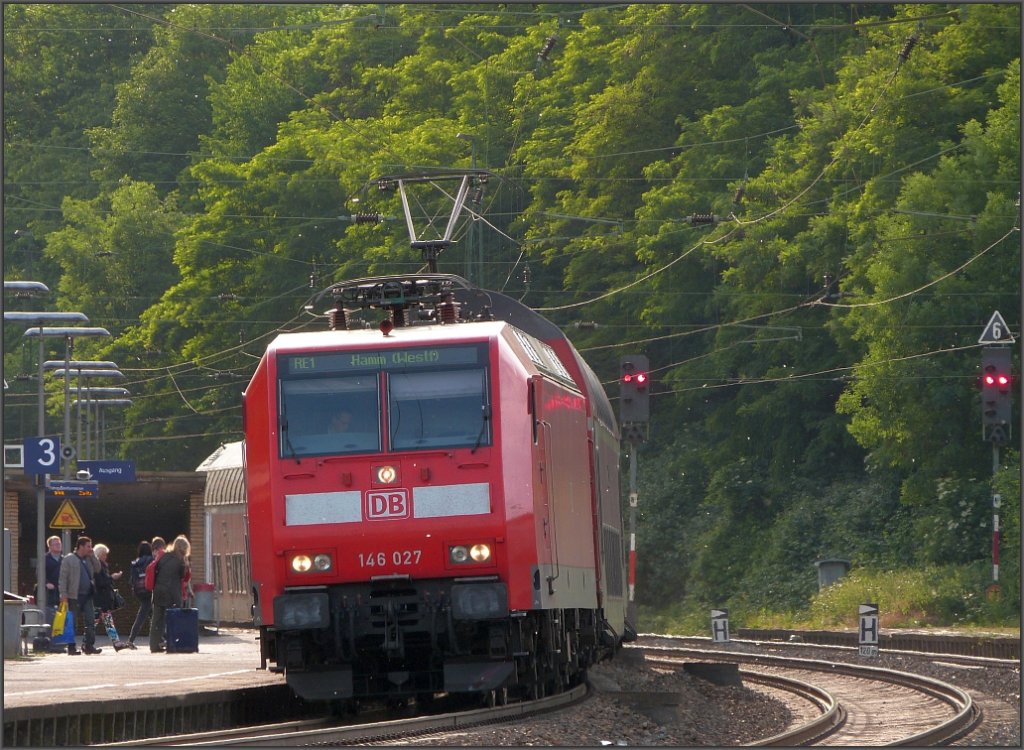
<point>320,563</point>
<point>464,553</point>
<point>386,474</point>
<point>480,552</point>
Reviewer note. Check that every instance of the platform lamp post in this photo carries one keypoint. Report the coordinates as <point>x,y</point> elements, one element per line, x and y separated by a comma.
<point>39,319</point>
<point>69,333</point>
<point>78,385</point>
<point>101,405</point>
<point>26,288</point>
<point>80,368</point>
<point>66,373</point>
<point>92,417</point>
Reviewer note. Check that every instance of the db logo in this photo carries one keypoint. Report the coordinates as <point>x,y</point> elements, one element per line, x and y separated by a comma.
<point>389,504</point>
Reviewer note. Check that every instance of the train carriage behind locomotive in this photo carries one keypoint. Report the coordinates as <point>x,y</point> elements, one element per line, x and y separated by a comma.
<point>458,529</point>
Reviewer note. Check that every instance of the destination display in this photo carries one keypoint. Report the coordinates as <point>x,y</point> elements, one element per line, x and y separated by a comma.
<point>388,359</point>
<point>63,489</point>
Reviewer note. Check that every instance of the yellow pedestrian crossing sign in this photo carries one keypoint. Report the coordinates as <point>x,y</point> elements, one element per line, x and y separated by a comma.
<point>67,517</point>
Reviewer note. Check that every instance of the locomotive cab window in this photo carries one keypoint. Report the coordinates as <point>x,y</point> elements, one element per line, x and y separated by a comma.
<point>438,409</point>
<point>329,415</point>
<point>335,402</point>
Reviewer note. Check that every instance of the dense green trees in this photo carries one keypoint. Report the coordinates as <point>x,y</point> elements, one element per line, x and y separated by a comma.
<point>187,173</point>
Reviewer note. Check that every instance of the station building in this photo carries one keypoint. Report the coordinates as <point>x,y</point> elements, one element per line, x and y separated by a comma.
<point>207,505</point>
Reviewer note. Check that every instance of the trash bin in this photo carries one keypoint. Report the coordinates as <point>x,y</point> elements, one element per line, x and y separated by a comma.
<point>13,607</point>
<point>204,600</point>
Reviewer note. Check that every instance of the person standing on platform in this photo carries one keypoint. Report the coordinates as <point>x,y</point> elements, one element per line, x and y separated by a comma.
<point>77,588</point>
<point>138,585</point>
<point>170,572</point>
<point>53,557</point>
<point>106,595</point>
<point>159,546</point>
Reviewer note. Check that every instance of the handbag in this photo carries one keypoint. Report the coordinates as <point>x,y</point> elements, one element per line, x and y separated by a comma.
<point>59,617</point>
<point>118,600</point>
<point>68,634</point>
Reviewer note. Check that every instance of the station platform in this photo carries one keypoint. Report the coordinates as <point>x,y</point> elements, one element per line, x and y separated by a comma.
<point>227,659</point>
<point>55,699</point>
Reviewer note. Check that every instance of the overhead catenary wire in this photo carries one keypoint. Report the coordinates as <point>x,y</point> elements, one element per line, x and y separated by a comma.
<point>601,297</point>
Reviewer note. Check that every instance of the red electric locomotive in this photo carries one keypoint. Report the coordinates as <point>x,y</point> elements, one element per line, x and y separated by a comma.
<point>434,505</point>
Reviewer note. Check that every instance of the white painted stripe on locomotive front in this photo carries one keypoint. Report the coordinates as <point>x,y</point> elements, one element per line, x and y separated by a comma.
<point>451,500</point>
<point>323,507</point>
<point>442,501</point>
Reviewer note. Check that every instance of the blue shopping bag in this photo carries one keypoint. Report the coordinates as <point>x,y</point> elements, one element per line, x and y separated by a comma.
<point>68,636</point>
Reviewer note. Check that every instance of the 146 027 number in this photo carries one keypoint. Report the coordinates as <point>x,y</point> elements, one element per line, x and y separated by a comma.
<point>381,559</point>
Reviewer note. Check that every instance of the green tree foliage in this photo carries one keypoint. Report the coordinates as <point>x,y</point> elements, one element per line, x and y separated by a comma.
<point>164,106</point>
<point>802,214</point>
<point>62,64</point>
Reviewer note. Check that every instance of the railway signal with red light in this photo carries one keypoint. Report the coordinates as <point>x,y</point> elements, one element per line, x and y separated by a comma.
<point>996,399</point>
<point>637,379</point>
<point>634,406</point>
<point>1002,380</point>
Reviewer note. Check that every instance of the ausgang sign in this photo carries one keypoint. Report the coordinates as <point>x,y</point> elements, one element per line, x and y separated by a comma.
<point>109,471</point>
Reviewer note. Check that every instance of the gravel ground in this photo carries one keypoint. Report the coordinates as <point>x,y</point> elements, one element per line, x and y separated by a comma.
<point>697,712</point>
<point>996,690</point>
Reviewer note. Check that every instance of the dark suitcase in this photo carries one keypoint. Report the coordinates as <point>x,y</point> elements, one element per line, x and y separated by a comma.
<point>182,631</point>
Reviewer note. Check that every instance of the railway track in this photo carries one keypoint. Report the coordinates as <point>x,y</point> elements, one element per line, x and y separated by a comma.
<point>830,703</point>
<point>856,705</point>
<point>329,732</point>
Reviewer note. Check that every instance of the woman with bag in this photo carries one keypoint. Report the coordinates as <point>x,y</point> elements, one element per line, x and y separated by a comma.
<point>107,597</point>
<point>170,572</point>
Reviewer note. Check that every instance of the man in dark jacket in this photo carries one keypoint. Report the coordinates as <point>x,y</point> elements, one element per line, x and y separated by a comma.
<point>53,558</point>
<point>77,573</point>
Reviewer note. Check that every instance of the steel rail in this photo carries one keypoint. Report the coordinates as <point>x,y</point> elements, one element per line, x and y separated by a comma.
<point>965,713</point>
<point>939,656</point>
<point>833,715</point>
<point>286,735</point>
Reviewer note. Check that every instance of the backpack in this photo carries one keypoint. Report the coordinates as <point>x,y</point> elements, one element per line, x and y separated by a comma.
<point>151,574</point>
<point>138,575</point>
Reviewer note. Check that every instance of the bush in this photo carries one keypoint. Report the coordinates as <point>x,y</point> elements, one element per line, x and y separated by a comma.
<point>935,595</point>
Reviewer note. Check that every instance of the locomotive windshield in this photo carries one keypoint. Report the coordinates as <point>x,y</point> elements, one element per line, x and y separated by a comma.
<point>329,415</point>
<point>432,397</point>
<point>434,409</point>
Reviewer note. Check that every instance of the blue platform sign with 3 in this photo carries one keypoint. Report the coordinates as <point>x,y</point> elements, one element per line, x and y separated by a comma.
<point>42,455</point>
